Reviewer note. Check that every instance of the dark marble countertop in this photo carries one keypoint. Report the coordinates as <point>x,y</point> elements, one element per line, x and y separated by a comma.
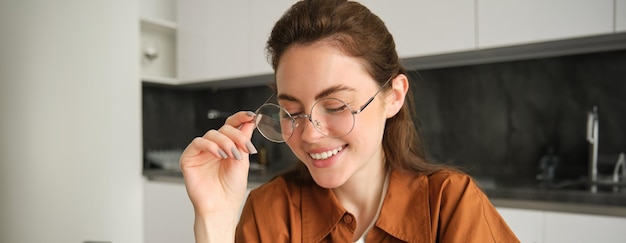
<point>564,196</point>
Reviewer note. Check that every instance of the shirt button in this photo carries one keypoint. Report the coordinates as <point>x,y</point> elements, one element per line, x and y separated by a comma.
<point>348,219</point>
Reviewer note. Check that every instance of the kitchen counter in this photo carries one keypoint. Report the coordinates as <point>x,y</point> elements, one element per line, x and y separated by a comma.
<point>511,193</point>
<point>565,196</point>
<point>254,179</point>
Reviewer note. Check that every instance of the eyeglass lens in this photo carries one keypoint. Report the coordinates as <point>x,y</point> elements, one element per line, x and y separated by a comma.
<point>331,117</point>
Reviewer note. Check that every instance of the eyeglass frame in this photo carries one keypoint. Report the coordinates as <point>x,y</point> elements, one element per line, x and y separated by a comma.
<point>294,124</point>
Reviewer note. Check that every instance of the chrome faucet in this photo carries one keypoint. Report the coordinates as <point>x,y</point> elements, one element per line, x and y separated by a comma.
<point>592,138</point>
<point>619,172</point>
<point>619,165</point>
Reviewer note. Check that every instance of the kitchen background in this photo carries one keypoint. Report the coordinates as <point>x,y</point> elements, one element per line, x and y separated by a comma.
<point>495,119</point>
<point>74,76</point>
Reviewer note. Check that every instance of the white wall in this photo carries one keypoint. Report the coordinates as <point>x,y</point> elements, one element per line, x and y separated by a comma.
<point>70,125</point>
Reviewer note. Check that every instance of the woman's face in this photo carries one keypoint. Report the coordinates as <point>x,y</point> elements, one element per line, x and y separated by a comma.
<point>308,73</point>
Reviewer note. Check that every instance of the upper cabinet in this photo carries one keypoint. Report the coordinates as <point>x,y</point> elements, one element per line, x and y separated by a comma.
<point>505,23</point>
<point>425,27</point>
<point>212,39</point>
<point>224,39</point>
<point>263,16</point>
<point>620,15</point>
<point>200,41</point>
<point>158,41</point>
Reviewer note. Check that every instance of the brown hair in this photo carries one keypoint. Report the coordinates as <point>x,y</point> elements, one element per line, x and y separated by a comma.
<point>358,32</point>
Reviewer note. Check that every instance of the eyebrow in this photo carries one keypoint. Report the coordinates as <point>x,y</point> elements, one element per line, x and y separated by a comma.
<point>325,93</point>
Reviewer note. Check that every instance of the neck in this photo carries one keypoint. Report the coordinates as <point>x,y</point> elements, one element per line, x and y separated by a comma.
<point>361,196</point>
<point>362,191</point>
<point>363,188</point>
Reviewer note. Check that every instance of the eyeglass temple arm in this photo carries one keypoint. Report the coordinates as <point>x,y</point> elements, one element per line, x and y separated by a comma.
<point>371,99</point>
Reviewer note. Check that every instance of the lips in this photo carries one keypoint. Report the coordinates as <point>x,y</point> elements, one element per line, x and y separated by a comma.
<point>325,154</point>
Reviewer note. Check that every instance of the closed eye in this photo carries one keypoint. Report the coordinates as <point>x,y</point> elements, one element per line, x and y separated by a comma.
<point>331,110</point>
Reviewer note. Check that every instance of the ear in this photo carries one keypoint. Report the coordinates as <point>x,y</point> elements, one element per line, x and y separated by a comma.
<point>395,96</point>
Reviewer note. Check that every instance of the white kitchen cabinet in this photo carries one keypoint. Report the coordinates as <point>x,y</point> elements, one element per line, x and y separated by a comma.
<point>158,41</point>
<point>620,15</point>
<point>427,27</point>
<point>505,23</point>
<point>225,39</point>
<point>573,228</point>
<point>168,213</point>
<point>540,226</point>
<point>222,40</point>
<point>212,39</point>
<point>263,16</point>
<point>527,224</point>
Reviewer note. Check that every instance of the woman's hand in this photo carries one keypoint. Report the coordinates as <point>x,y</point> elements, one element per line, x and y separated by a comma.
<point>215,168</point>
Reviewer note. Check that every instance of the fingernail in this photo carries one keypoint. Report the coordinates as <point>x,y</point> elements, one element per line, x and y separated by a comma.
<point>250,113</point>
<point>251,147</point>
<point>236,153</point>
<point>222,153</point>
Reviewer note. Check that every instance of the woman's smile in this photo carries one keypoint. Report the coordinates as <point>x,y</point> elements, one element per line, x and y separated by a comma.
<point>326,154</point>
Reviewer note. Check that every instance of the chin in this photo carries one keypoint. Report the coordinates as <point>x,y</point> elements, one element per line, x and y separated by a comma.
<point>328,180</point>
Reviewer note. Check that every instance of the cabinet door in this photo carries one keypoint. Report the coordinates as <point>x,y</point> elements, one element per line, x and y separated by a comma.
<point>428,27</point>
<point>620,15</point>
<point>572,228</point>
<point>212,39</point>
<point>526,224</point>
<point>168,213</point>
<point>263,16</point>
<point>502,23</point>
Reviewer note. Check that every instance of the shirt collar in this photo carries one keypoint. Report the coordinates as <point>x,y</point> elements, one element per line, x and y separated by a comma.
<point>407,195</point>
<point>406,212</point>
<point>321,212</point>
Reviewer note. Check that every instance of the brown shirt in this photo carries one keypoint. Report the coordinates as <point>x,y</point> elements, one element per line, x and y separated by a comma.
<point>442,207</point>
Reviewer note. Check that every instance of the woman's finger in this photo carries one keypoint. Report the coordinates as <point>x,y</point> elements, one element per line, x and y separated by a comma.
<point>239,127</point>
<point>201,144</point>
<point>240,119</point>
<point>230,140</point>
<point>240,137</point>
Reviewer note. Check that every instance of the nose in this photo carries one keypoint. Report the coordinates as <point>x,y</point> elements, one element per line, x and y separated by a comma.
<point>309,132</point>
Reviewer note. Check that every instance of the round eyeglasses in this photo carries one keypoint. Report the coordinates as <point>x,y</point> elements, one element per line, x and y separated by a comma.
<point>330,117</point>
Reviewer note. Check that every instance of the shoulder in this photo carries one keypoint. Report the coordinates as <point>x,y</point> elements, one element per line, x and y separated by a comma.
<point>450,185</point>
<point>451,190</point>
<point>435,180</point>
<point>446,185</point>
<point>449,178</point>
<point>459,205</point>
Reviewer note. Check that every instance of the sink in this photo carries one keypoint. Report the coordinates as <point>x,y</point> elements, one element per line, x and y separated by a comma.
<point>601,185</point>
<point>577,191</point>
<point>583,185</point>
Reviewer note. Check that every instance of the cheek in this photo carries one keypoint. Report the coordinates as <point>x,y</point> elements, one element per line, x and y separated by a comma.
<point>369,127</point>
<point>293,146</point>
<point>374,119</point>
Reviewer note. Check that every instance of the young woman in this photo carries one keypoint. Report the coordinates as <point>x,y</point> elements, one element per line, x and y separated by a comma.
<point>345,110</point>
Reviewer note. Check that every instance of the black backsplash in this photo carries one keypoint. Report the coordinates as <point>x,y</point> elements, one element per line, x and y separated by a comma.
<point>499,119</point>
<point>491,119</point>
<point>173,116</point>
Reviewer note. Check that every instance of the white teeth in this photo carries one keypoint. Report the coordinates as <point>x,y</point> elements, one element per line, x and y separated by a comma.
<point>325,155</point>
